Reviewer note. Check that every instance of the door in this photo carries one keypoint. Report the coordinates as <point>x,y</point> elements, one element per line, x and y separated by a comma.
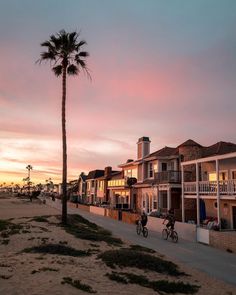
<point>234,216</point>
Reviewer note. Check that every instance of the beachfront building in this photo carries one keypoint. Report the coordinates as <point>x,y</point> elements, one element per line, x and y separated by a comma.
<point>158,183</point>
<point>92,186</point>
<point>121,193</point>
<point>82,188</point>
<point>209,191</point>
<point>103,196</point>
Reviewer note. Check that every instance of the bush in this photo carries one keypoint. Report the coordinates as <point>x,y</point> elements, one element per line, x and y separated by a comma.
<point>132,258</point>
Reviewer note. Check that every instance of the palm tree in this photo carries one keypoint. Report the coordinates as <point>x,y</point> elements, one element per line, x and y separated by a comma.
<point>29,167</point>
<point>66,57</point>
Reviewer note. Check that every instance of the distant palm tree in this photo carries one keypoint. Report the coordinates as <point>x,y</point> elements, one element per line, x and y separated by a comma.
<point>29,167</point>
<point>66,57</point>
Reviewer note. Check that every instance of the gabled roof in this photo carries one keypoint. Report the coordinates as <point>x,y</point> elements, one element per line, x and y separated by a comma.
<point>218,148</point>
<point>164,152</point>
<point>117,175</point>
<point>95,174</point>
<point>189,142</point>
<point>83,176</point>
<point>113,173</point>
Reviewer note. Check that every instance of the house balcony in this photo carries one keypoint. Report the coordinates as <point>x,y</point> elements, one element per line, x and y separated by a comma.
<point>226,187</point>
<point>170,176</point>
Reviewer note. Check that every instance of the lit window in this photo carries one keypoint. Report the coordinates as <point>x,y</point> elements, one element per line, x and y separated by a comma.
<point>150,170</point>
<point>234,174</point>
<point>212,176</point>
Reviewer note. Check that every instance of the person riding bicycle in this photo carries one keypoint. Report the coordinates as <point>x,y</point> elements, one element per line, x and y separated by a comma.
<point>171,219</point>
<point>144,219</point>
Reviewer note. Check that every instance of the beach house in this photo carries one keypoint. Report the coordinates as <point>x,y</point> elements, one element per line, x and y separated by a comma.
<point>209,190</point>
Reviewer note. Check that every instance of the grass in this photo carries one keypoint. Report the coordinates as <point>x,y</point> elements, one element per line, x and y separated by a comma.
<point>114,276</point>
<point>5,242</point>
<point>132,258</point>
<point>159,286</point>
<point>5,277</point>
<point>141,248</point>
<point>39,219</point>
<point>8,228</point>
<point>77,284</point>
<point>44,269</point>
<point>4,265</point>
<point>63,242</point>
<point>58,250</point>
<point>83,229</point>
<point>4,224</point>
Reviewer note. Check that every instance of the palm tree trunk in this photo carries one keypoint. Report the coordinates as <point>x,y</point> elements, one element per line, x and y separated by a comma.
<point>64,167</point>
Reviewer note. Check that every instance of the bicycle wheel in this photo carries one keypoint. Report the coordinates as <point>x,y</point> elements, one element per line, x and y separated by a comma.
<point>165,234</point>
<point>174,236</point>
<point>145,232</point>
<point>138,229</point>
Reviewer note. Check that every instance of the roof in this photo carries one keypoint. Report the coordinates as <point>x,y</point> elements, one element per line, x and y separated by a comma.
<point>219,148</point>
<point>83,176</point>
<point>189,142</point>
<point>164,152</point>
<point>117,175</point>
<point>113,173</point>
<point>95,174</point>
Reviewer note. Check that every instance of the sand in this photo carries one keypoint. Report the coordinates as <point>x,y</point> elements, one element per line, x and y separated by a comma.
<point>27,273</point>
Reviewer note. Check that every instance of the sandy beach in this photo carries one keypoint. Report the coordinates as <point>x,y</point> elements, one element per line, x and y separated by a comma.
<point>34,225</point>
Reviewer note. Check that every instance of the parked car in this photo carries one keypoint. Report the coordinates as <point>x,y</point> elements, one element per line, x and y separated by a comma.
<point>155,213</point>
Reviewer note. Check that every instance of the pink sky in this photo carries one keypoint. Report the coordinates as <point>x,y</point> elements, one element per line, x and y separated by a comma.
<point>158,71</point>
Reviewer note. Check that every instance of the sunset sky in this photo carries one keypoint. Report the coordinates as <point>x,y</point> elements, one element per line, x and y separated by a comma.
<point>163,69</point>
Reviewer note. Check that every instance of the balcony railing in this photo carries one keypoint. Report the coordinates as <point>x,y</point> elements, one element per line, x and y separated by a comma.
<point>226,187</point>
<point>170,176</point>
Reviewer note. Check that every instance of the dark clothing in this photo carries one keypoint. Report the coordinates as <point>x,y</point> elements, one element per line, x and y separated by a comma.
<point>144,219</point>
<point>171,221</point>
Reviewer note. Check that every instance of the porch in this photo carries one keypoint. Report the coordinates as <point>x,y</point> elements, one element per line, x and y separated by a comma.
<point>211,190</point>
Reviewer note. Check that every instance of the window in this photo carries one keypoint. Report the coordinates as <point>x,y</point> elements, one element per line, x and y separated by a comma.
<point>234,174</point>
<point>101,185</point>
<point>88,186</point>
<point>131,173</point>
<point>172,165</point>
<point>155,167</point>
<point>223,175</point>
<point>163,166</point>
<point>150,170</point>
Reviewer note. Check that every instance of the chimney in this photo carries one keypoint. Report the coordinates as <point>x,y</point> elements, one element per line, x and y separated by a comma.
<point>107,171</point>
<point>143,145</point>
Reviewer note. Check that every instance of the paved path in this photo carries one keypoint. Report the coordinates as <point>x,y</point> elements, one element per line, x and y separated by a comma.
<point>214,262</point>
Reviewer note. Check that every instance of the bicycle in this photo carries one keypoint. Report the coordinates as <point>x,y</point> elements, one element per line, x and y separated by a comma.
<point>143,229</point>
<point>169,232</point>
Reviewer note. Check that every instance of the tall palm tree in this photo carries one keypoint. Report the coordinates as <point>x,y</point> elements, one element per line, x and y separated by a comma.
<point>64,52</point>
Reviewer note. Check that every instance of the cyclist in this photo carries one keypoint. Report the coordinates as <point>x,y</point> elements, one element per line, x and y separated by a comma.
<point>144,219</point>
<point>171,219</point>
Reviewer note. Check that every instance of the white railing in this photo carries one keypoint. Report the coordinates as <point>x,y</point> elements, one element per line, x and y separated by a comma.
<point>190,187</point>
<point>207,187</point>
<point>227,187</point>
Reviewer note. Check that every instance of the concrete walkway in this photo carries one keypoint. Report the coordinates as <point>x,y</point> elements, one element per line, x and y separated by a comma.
<point>216,263</point>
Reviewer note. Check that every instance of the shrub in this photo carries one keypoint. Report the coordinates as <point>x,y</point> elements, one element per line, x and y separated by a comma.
<point>131,258</point>
<point>58,250</point>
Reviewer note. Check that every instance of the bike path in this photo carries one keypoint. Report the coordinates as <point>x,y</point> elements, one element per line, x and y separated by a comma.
<point>214,262</point>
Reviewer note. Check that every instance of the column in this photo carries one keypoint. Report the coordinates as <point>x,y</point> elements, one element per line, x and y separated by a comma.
<point>168,198</point>
<point>182,195</point>
<point>197,192</point>
<point>218,192</point>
